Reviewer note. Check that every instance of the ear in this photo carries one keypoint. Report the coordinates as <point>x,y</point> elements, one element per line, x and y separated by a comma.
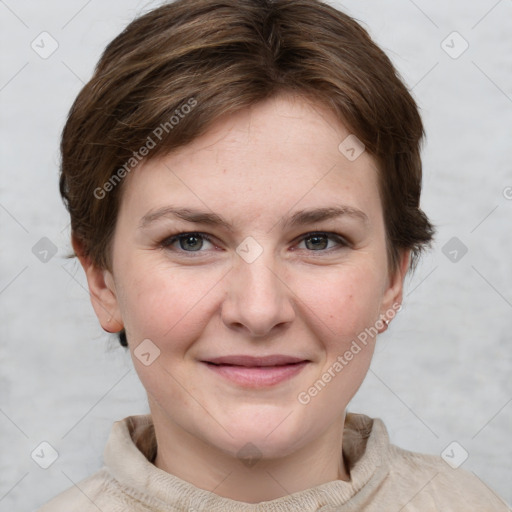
<point>101,290</point>
<point>393,294</point>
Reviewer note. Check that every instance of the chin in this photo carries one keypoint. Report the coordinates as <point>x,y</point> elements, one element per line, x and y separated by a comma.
<point>270,438</point>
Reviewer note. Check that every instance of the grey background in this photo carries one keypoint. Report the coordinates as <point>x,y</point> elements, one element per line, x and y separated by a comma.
<point>442,372</point>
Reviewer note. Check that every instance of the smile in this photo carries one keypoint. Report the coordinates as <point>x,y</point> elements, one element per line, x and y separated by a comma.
<point>255,372</point>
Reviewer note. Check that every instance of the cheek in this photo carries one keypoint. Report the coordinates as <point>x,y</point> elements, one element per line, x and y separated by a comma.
<point>163,303</point>
<point>340,315</point>
<point>171,307</point>
<point>344,300</point>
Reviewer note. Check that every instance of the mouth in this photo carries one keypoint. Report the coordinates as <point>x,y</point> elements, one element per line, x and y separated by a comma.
<point>249,371</point>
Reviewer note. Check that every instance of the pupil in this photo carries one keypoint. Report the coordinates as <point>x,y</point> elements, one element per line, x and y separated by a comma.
<point>318,242</point>
<point>192,242</point>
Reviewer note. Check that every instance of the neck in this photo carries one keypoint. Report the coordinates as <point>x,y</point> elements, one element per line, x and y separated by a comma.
<point>252,480</point>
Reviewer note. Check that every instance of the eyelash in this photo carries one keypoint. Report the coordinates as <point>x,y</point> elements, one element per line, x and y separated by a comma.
<point>169,241</point>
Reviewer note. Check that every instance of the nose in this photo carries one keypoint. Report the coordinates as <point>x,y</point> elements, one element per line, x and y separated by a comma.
<point>258,300</point>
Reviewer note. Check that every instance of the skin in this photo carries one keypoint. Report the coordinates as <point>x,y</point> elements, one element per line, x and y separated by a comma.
<point>303,296</point>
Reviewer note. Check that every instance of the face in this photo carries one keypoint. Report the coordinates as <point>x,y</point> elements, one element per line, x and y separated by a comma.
<point>250,261</point>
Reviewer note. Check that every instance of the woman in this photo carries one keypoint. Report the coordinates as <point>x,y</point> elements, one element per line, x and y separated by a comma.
<point>243,180</point>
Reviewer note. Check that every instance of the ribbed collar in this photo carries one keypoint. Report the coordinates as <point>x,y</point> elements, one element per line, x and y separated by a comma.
<point>365,448</point>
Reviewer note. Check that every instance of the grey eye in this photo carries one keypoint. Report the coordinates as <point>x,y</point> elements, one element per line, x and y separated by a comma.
<point>191,242</point>
<point>317,242</point>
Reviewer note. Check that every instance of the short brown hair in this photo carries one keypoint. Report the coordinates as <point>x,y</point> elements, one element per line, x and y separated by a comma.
<point>221,56</point>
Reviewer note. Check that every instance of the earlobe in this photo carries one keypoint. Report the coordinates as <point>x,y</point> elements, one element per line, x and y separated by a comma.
<point>102,292</point>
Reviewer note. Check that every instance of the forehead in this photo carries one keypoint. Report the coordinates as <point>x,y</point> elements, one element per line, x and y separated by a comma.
<point>262,161</point>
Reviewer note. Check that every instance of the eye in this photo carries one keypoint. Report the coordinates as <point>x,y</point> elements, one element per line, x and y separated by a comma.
<point>188,242</point>
<point>322,241</point>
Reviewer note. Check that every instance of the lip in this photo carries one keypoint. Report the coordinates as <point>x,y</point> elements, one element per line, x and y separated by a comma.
<point>252,361</point>
<point>255,372</point>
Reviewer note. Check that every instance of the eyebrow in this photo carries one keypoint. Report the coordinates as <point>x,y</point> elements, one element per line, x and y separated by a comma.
<point>187,214</point>
<point>304,217</point>
<point>300,218</point>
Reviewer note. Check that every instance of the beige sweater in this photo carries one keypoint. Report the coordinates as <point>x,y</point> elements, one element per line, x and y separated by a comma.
<point>383,478</point>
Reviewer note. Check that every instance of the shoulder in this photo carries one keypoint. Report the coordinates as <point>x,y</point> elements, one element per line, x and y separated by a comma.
<point>428,480</point>
<point>410,481</point>
<point>112,489</point>
<point>97,491</point>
